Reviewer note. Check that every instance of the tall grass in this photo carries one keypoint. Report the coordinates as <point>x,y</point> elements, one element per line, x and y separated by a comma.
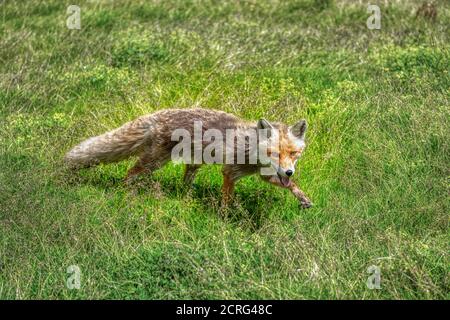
<point>376,166</point>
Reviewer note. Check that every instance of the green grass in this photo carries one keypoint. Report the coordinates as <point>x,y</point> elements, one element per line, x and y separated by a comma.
<point>376,167</point>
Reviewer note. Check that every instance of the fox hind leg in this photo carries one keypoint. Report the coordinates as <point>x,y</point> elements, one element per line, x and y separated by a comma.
<point>229,180</point>
<point>190,172</point>
<point>133,172</point>
<point>147,163</point>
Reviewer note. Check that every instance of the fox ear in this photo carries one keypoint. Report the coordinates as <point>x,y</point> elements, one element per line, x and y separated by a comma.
<point>299,129</point>
<point>264,124</point>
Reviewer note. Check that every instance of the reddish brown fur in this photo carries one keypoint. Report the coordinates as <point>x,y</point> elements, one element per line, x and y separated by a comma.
<point>149,138</point>
<point>286,151</point>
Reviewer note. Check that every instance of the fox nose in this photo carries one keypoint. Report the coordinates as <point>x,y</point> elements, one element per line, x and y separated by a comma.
<point>289,173</point>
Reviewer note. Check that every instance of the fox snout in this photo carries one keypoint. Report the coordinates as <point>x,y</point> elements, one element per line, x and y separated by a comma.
<point>285,172</point>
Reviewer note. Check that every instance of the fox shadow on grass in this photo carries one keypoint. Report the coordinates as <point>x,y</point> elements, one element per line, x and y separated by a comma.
<point>249,204</point>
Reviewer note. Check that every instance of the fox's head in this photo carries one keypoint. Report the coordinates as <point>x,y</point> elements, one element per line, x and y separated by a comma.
<point>284,145</point>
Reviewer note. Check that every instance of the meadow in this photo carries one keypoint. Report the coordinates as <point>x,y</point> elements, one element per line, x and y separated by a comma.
<point>376,166</point>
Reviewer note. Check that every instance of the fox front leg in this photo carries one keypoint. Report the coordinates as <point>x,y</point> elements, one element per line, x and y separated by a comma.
<point>299,194</point>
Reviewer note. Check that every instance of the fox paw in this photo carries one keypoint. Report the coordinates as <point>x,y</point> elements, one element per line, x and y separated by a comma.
<point>305,204</point>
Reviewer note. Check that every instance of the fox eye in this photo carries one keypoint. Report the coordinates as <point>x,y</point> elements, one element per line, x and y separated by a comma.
<point>274,154</point>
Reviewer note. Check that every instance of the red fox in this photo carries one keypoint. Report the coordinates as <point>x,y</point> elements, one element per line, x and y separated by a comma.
<point>151,139</point>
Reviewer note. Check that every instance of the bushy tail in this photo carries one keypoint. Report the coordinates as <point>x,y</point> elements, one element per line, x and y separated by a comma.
<point>112,146</point>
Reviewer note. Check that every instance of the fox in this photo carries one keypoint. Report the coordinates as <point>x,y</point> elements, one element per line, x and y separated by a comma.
<point>150,138</point>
